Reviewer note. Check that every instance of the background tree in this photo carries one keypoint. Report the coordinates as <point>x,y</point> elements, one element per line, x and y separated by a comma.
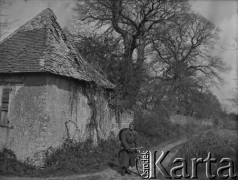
<point>182,61</point>
<point>158,53</point>
<point>102,52</point>
<point>234,99</point>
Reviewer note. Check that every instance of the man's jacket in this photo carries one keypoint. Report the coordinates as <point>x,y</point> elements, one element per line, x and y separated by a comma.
<point>129,139</point>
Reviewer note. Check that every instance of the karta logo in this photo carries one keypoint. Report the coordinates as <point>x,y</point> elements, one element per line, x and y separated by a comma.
<point>151,168</point>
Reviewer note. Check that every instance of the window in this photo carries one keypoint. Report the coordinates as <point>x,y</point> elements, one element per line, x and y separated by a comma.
<point>4,104</point>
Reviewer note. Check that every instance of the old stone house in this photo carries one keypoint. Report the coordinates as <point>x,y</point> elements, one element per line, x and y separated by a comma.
<point>48,93</point>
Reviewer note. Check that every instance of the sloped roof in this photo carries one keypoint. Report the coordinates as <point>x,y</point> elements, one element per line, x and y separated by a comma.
<point>41,46</point>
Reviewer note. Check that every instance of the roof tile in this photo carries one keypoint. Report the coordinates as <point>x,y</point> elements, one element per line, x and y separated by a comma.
<point>41,46</point>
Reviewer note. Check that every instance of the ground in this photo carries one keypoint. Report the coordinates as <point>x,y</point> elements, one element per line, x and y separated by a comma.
<point>113,171</point>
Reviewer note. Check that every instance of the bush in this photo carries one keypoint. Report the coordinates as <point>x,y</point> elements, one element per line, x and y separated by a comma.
<point>70,157</point>
<point>10,165</point>
<point>82,157</point>
<point>151,124</point>
<point>156,128</point>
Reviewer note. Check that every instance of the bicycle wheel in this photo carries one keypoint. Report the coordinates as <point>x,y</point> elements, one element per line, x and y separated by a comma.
<point>139,166</point>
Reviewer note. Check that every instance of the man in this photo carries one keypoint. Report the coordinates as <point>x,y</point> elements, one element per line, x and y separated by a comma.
<point>129,140</point>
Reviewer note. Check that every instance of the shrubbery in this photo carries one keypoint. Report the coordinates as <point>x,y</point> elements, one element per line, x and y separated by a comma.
<point>9,165</point>
<point>70,157</point>
<point>82,157</point>
<point>77,158</point>
<point>156,128</point>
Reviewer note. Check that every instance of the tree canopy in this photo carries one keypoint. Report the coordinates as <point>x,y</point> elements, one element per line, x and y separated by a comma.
<point>134,22</point>
<point>151,49</point>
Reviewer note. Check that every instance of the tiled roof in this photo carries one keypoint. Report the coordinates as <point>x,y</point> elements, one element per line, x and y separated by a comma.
<point>41,46</point>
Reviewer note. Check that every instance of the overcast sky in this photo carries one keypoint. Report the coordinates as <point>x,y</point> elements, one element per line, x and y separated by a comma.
<point>224,13</point>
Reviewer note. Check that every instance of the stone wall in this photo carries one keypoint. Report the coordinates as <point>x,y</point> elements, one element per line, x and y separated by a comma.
<point>45,110</point>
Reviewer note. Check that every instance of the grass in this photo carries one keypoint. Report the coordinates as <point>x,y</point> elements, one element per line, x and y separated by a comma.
<point>156,129</point>
<point>209,141</point>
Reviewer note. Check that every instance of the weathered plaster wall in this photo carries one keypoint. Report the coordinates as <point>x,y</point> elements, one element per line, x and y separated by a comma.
<point>77,111</point>
<point>25,115</point>
<point>67,110</point>
<point>46,109</point>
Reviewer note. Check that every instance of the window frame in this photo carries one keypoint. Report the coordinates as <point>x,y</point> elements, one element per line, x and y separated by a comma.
<point>7,89</point>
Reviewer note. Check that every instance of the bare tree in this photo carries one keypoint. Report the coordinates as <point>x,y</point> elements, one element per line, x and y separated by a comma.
<point>183,61</point>
<point>102,52</point>
<point>185,50</point>
<point>234,99</point>
<point>135,22</point>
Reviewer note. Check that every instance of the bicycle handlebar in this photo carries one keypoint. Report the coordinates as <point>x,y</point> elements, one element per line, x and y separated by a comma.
<point>137,148</point>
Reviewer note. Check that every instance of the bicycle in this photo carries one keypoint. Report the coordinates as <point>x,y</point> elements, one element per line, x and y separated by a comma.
<point>138,162</point>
